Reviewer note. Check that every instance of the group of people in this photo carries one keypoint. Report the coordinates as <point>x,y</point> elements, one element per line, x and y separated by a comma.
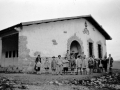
<point>75,63</point>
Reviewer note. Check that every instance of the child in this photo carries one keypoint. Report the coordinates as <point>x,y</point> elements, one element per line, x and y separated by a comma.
<point>78,64</point>
<point>47,65</point>
<point>73,63</point>
<point>101,65</point>
<point>96,65</point>
<point>84,65</point>
<point>53,65</point>
<point>90,64</point>
<point>65,65</point>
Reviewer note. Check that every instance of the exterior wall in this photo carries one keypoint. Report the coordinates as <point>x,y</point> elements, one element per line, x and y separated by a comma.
<point>1,51</point>
<point>54,38</point>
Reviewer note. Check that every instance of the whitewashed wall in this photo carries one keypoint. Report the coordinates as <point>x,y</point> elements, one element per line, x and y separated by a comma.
<point>1,61</point>
<point>40,36</point>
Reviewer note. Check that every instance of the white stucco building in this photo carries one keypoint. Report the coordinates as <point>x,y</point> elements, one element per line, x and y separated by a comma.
<point>19,44</point>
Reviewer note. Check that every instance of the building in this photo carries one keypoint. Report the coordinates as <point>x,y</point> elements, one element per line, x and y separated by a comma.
<point>21,43</point>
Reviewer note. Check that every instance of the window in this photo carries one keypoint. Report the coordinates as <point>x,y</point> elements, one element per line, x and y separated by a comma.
<point>10,54</point>
<point>14,54</point>
<point>6,54</point>
<point>90,49</point>
<point>99,51</point>
<point>17,53</point>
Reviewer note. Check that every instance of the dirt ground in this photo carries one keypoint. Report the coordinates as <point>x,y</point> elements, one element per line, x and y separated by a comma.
<point>48,81</point>
<point>45,81</point>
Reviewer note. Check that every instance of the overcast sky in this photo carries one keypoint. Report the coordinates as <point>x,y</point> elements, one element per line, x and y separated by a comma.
<point>105,12</point>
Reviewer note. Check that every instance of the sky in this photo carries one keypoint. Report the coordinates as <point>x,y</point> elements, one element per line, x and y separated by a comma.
<point>105,12</point>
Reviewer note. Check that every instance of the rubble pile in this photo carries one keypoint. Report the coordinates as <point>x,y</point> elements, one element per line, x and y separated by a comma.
<point>10,69</point>
<point>10,84</point>
<point>108,81</point>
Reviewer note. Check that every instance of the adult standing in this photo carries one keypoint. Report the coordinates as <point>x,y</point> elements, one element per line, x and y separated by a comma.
<point>59,65</point>
<point>37,59</point>
<point>105,64</point>
<point>38,64</point>
<point>110,63</point>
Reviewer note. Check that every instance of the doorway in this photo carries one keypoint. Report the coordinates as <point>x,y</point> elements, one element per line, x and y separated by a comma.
<point>75,48</point>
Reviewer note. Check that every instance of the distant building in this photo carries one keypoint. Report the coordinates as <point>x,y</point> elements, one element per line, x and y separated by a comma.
<point>21,43</point>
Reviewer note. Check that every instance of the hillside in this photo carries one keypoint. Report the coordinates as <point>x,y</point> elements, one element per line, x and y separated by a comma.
<point>116,64</point>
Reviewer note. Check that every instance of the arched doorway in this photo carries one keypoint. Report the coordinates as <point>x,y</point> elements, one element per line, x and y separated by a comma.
<point>75,48</point>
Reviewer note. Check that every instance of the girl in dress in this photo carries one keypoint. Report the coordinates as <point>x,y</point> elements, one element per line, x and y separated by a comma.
<point>53,65</point>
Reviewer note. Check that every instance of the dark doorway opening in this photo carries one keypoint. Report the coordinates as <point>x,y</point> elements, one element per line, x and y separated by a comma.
<point>90,49</point>
<point>75,48</point>
<point>99,51</point>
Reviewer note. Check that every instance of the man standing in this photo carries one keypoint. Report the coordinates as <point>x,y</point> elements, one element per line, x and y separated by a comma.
<point>105,63</point>
<point>110,63</point>
<point>59,65</point>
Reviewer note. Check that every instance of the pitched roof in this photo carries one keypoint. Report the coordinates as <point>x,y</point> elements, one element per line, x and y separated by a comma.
<point>87,17</point>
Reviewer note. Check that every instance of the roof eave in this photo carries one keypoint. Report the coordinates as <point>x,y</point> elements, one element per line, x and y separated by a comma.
<point>107,36</point>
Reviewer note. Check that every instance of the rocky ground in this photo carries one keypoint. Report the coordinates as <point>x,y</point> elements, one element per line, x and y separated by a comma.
<point>60,82</point>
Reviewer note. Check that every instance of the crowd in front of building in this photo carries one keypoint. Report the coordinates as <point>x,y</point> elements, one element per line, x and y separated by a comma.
<point>76,64</point>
